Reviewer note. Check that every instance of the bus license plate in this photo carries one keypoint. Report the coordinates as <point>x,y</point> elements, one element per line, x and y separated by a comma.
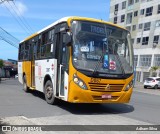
<point>106,96</point>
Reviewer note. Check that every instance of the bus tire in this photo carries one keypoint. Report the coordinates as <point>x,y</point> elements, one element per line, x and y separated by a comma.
<point>48,92</point>
<point>156,87</point>
<point>25,87</point>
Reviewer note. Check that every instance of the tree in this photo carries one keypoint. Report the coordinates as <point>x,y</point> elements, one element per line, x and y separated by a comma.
<point>153,70</point>
<point>1,63</point>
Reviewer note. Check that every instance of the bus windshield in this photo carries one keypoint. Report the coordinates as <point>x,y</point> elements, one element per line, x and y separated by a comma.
<point>101,48</point>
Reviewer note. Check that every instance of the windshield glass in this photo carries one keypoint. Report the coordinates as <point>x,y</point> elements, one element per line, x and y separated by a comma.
<point>101,48</point>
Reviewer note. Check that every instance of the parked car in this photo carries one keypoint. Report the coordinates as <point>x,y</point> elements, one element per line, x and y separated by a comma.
<point>152,82</point>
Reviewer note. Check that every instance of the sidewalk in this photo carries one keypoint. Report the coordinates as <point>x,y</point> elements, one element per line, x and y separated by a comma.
<point>139,88</point>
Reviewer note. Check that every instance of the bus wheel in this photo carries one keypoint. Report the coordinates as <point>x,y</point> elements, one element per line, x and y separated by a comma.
<point>25,87</point>
<point>48,91</point>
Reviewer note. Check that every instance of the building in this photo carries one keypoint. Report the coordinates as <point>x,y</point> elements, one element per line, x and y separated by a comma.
<point>9,69</point>
<point>142,19</point>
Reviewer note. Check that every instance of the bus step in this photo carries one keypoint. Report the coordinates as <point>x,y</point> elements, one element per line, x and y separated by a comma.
<point>32,88</point>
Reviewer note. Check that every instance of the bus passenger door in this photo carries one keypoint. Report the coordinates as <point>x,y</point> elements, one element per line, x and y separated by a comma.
<point>34,48</point>
<point>62,67</point>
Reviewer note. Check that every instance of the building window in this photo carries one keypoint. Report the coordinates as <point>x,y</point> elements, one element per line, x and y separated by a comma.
<point>145,60</point>
<point>130,2</point>
<point>129,18</point>
<point>140,26</point>
<point>142,12</point>
<point>133,27</point>
<point>132,41</point>
<point>158,23</point>
<point>135,60</point>
<point>158,9</point>
<point>136,1</point>
<point>156,39</point>
<point>157,60</point>
<point>149,11</point>
<point>122,18</point>
<point>124,5</point>
<point>135,13</point>
<point>145,40</point>
<point>115,20</point>
<point>116,7</point>
<point>138,40</point>
<point>147,26</point>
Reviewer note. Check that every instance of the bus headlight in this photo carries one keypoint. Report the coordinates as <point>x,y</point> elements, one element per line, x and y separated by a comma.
<point>79,82</point>
<point>129,86</point>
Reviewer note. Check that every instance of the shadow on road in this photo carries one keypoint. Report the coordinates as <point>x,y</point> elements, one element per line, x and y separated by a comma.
<point>96,108</point>
<point>88,109</point>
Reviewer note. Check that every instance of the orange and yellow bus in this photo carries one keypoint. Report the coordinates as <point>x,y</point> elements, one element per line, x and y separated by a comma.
<point>79,60</point>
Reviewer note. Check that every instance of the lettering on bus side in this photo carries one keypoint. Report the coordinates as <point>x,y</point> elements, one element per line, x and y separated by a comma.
<point>95,80</point>
<point>39,70</point>
<point>47,70</point>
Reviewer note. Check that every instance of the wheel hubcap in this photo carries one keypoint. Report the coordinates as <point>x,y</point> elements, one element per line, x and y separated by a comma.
<point>49,92</point>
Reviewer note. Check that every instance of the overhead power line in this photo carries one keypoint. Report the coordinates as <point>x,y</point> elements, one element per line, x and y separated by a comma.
<point>22,17</point>
<point>4,1</point>
<point>15,12</point>
<point>7,37</point>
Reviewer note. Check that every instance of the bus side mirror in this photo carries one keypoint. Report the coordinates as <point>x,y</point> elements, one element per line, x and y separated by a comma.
<point>67,38</point>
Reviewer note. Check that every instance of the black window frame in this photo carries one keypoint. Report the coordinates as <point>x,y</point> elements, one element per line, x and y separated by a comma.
<point>123,5</point>
<point>142,11</point>
<point>116,7</point>
<point>133,27</point>
<point>149,11</point>
<point>156,39</point>
<point>147,26</point>
<point>135,13</point>
<point>115,20</point>
<point>123,18</point>
<point>140,26</point>
<point>138,40</point>
<point>145,40</point>
<point>158,10</point>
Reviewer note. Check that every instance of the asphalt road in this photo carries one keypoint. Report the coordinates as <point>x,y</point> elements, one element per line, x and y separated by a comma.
<point>15,102</point>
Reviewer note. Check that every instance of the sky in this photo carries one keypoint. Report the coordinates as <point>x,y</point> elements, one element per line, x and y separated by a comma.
<point>22,18</point>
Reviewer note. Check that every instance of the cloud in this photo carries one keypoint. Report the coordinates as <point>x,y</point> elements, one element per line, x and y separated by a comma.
<point>17,8</point>
<point>21,8</point>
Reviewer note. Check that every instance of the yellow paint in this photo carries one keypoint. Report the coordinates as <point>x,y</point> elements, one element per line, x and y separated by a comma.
<point>75,93</point>
<point>30,37</point>
<point>78,95</point>
<point>92,20</point>
<point>27,71</point>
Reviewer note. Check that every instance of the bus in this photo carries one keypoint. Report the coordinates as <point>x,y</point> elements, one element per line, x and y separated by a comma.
<point>78,60</point>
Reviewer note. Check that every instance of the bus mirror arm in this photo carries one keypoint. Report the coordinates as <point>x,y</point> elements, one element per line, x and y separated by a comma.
<point>67,39</point>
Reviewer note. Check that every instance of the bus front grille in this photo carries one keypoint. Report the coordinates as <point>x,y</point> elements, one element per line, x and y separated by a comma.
<point>102,87</point>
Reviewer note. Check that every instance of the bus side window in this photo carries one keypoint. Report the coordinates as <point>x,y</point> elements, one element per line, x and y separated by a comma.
<point>48,50</point>
<point>39,47</point>
<point>26,51</point>
<point>43,49</point>
<point>20,52</point>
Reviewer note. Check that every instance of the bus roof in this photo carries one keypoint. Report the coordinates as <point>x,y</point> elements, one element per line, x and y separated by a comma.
<point>65,19</point>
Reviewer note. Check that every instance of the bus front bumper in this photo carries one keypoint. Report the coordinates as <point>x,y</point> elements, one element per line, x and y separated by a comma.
<point>78,95</point>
